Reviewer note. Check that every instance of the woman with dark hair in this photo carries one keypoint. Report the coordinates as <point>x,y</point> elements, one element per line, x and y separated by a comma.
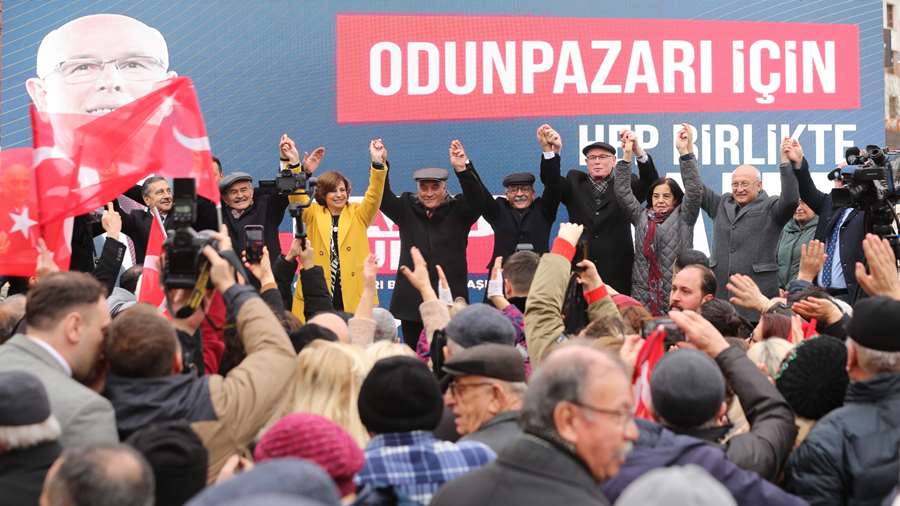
<point>665,227</point>
<point>336,228</point>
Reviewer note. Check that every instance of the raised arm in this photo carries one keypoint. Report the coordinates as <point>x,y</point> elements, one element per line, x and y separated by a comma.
<point>391,204</point>
<point>544,322</point>
<point>372,198</point>
<point>551,145</point>
<point>690,175</point>
<point>647,173</point>
<point>791,155</point>
<point>473,195</point>
<point>110,262</point>
<point>622,185</point>
<point>813,197</point>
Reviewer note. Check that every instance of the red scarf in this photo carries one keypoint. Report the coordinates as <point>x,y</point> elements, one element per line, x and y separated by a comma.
<point>658,297</point>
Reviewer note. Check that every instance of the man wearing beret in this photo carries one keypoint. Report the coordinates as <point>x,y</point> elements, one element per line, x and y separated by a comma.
<point>521,221</point>
<point>485,394</point>
<point>590,201</point>
<point>436,223</point>
<point>851,455</point>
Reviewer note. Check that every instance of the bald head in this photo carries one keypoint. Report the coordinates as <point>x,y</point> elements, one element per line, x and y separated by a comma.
<point>101,37</point>
<point>333,323</point>
<point>746,183</point>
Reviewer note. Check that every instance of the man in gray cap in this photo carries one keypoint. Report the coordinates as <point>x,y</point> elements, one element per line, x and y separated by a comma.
<point>851,455</point>
<point>520,221</point>
<point>485,394</point>
<point>688,393</point>
<point>245,205</point>
<point>28,437</point>
<point>438,225</point>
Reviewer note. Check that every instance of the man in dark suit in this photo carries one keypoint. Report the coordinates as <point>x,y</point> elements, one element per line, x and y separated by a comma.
<point>842,229</point>
<point>590,201</point>
<point>436,223</point>
<point>155,193</point>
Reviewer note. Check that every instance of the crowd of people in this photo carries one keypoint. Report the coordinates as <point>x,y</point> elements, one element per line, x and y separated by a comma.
<point>776,377</point>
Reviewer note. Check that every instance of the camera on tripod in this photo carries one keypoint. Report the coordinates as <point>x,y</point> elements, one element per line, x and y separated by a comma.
<point>871,183</point>
<point>185,262</point>
<point>297,184</point>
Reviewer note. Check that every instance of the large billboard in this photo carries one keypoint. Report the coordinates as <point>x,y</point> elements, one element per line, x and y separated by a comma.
<point>744,73</point>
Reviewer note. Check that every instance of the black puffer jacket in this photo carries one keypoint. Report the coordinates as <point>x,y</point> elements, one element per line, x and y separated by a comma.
<point>850,457</point>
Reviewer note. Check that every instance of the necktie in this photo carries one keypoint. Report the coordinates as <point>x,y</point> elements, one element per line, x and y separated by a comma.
<point>829,250</point>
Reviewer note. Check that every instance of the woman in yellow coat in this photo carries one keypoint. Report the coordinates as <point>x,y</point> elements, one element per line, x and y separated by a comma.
<point>337,228</point>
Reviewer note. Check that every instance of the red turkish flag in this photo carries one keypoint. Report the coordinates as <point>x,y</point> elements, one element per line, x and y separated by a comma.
<point>82,162</point>
<point>651,352</point>
<point>20,226</point>
<point>151,290</point>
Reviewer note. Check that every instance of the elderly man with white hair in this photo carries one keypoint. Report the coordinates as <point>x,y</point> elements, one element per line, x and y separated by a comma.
<point>748,224</point>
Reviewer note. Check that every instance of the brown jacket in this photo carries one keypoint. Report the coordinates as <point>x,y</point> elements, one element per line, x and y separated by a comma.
<point>544,326</point>
<point>245,399</point>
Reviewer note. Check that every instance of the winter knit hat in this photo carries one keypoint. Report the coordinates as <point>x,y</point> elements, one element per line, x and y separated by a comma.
<point>315,438</point>
<point>687,388</point>
<point>178,459</point>
<point>813,377</point>
<point>400,394</point>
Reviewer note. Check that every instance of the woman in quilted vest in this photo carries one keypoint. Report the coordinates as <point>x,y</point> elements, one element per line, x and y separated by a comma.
<point>665,227</point>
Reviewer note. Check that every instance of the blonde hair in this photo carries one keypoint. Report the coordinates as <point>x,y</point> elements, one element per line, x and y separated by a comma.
<point>326,383</point>
<point>771,353</point>
<point>385,349</point>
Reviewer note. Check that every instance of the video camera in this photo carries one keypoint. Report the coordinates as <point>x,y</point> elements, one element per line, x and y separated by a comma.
<point>293,183</point>
<point>871,183</point>
<point>185,262</point>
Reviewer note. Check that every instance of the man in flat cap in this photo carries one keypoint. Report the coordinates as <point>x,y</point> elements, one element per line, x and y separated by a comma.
<point>436,223</point>
<point>590,201</point>
<point>851,455</point>
<point>486,392</point>
<point>520,221</point>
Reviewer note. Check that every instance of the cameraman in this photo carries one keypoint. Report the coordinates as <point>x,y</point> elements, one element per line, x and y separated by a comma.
<point>842,229</point>
<point>145,385</point>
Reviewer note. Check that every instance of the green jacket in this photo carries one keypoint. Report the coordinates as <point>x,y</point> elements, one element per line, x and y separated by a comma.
<point>793,235</point>
<point>544,325</point>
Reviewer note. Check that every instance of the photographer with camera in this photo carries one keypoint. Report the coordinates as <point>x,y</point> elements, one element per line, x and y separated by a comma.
<point>145,384</point>
<point>337,228</point>
<point>841,228</point>
<point>688,393</point>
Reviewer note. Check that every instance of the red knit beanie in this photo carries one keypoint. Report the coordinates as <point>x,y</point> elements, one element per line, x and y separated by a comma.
<point>317,439</point>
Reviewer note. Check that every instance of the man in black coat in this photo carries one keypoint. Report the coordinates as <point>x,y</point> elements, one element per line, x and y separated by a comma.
<point>245,205</point>
<point>851,455</point>
<point>849,226</point>
<point>521,221</point>
<point>438,225</point>
<point>590,201</point>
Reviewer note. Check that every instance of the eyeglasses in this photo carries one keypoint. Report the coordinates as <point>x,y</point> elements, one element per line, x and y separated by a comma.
<point>457,389</point>
<point>131,68</point>
<point>622,416</point>
<point>741,185</point>
<point>599,157</point>
<point>518,189</point>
